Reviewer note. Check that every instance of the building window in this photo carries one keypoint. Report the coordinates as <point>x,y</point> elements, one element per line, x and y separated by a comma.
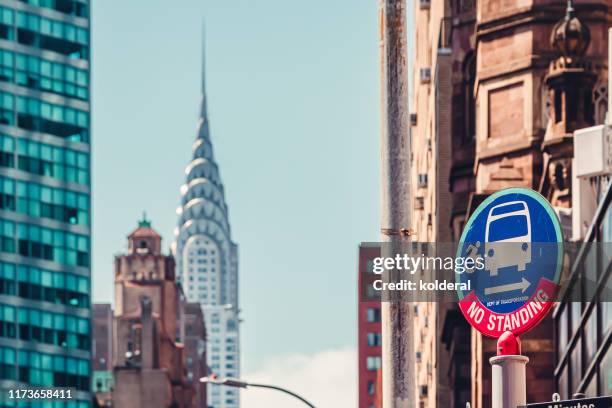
<point>45,243</point>
<point>583,322</point>
<point>371,388</point>
<point>77,8</point>
<point>373,363</point>
<point>373,315</point>
<point>54,328</point>
<point>62,121</point>
<point>47,160</point>
<point>7,151</point>
<point>38,200</point>
<point>7,321</point>
<point>469,104</point>
<point>50,286</point>
<point>7,236</point>
<point>374,339</point>
<point>7,279</point>
<point>43,75</point>
<point>7,108</point>
<point>7,364</point>
<point>605,374</point>
<point>52,370</point>
<point>64,38</point>
<point>600,101</point>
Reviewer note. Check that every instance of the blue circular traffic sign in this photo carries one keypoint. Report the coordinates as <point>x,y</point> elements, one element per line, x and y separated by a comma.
<point>516,236</point>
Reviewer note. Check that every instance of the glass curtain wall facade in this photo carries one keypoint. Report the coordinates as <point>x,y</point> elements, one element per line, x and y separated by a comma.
<point>584,318</point>
<point>45,217</point>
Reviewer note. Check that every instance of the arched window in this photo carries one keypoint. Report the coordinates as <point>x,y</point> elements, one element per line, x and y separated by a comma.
<point>600,102</point>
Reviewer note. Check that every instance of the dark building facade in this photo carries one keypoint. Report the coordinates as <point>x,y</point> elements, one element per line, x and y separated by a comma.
<point>103,336</point>
<point>102,353</point>
<point>369,334</point>
<point>45,218</point>
<point>194,339</point>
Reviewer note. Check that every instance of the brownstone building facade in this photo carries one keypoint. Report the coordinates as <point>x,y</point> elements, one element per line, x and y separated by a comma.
<point>151,368</point>
<point>499,87</point>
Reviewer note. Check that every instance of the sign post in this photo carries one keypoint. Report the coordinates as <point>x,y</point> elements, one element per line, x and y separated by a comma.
<point>518,235</point>
<point>508,373</point>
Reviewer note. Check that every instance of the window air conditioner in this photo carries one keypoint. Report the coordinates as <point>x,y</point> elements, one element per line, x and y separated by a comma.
<point>425,75</point>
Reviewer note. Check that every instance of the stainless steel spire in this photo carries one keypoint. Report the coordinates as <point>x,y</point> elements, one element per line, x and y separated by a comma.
<point>207,258</point>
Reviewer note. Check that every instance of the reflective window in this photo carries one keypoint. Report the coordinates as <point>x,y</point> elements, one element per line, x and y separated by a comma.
<point>374,339</point>
<point>373,315</point>
<point>43,75</point>
<point>52,370</point>
<point>7,109</point>
<point>7,19</point>
<point>7,151</point>
<point>51,286</point>
<point>7,236</point>
<point>34,30</point>
<point>373,363</point>
<point>76,8</point>
<point>39,200</point>
<point>47,160</point>
<point>8,369</point>
<point>45,243</point>
<point>7,279</point>
<point>36,115</point>
<point>63,121</point>
<point>7,321</point>
<point>53,328</point>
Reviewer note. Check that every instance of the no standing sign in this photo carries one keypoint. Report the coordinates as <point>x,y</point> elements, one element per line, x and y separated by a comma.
<point>518,234</point>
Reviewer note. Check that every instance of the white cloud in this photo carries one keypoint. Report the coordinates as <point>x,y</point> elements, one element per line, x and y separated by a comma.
<point>328,379</point>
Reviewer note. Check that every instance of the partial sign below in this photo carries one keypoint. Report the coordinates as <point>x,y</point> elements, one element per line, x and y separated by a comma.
<point>597,402</point>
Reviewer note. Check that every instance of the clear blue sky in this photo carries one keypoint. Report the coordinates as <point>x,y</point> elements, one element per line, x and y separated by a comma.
<point>293,97</point>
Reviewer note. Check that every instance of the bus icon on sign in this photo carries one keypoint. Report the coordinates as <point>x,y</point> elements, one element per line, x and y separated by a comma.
<point>508,223</point>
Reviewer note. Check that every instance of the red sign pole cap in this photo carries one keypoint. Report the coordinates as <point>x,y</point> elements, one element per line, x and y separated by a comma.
<point>508,345</point>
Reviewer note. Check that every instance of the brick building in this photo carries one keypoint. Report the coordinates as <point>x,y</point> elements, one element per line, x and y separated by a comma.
<point>369,334</point>
<point>498,89</point>
<point>149,363</point>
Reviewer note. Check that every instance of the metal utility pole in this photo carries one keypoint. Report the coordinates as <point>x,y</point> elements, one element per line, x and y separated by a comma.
<point>398,370</point>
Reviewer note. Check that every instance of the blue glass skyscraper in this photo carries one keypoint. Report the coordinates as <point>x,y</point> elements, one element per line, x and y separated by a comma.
<point>45,217</point>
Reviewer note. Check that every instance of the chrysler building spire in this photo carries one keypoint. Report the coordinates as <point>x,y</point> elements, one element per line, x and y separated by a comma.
<point>203,108</point>
<point>206,256</point>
